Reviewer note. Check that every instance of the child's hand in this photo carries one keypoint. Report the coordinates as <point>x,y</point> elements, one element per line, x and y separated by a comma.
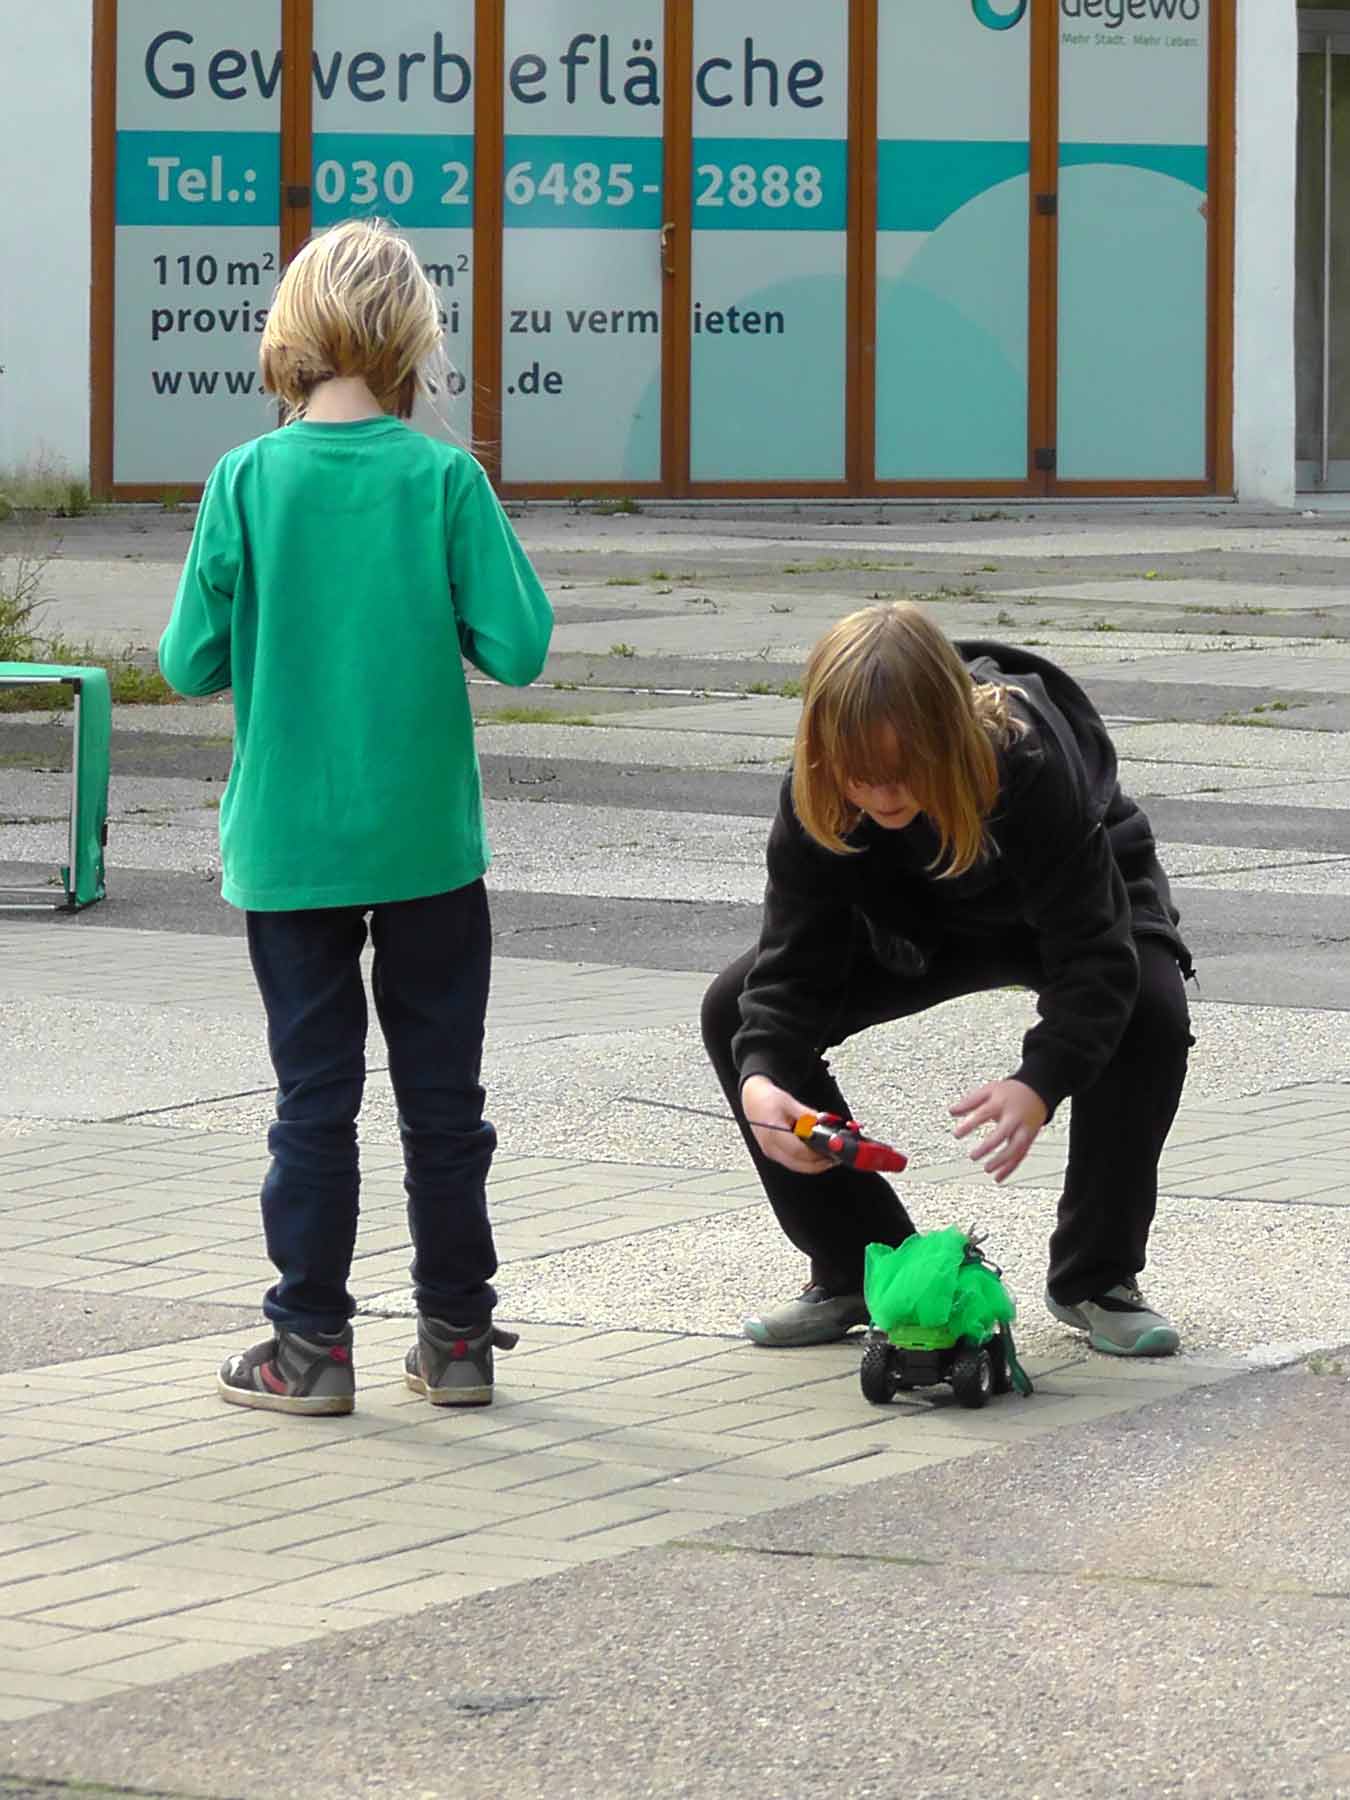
<point>765,1104</point>
<point>1016,1113</point>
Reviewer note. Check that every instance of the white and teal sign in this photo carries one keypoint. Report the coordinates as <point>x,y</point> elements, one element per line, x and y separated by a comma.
<point>754,244</point>
<point>953,270</point>
<point>393,136</point>
<point>583,207</point>
<point>195,232</point>
<point>770,242</point>
<point>1133,239</point>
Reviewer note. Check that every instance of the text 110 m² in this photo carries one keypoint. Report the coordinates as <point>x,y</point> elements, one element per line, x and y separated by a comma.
<point>208,271</point>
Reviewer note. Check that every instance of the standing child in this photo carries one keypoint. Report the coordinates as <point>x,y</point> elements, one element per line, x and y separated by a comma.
<point>953,824</point>
<point>340,569</point>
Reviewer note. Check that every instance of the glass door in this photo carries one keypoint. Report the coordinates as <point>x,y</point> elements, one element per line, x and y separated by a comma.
<point>582,244</point>
<point>1322,255</point>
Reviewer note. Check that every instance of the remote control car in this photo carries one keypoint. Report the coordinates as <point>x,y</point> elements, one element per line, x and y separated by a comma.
<point>940,1313</point>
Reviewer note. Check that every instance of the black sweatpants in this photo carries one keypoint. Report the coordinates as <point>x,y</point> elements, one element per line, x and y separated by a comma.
<point>1117,1126</point>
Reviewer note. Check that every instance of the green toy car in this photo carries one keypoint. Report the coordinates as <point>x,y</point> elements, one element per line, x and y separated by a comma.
<point>940,1314</point>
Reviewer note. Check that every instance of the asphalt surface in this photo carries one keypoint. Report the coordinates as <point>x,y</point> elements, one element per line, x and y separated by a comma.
<point>1153,1605</point>
<point>1065,1618</point>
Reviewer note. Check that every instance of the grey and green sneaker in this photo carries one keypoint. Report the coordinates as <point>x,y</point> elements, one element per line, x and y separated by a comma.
<point>452,1364</point>
<point>814,1317</point>
<point>293,1373</point>
<point>1120,1322</point>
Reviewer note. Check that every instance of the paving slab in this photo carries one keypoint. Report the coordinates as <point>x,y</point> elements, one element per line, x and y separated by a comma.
<point>1222,1647</point>
<point>1169,592</point>
<point>483,1574</point>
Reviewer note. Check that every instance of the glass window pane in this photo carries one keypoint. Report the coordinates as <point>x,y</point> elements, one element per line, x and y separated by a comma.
<point>393,138</point>
<point>1133,248</point>
<point>583,209</point>
<point>953,156</point>
<point>196,232</point>
<point>770,241</point>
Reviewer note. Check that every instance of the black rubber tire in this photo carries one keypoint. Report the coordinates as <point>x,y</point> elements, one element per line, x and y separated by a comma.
<point>972,1378</point>
<point>878,1383</point>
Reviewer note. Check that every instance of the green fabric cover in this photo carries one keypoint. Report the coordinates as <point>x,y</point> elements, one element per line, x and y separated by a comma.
<point>930,1292</point>
<point>91,751</point>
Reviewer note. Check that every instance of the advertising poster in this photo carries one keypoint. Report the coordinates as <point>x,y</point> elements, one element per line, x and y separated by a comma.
<point>393,138</point>
<point>1133,239</point>
<point>582,301</point>
<point>953,277</point>
<point>770,237</point>
<point>196,231</point>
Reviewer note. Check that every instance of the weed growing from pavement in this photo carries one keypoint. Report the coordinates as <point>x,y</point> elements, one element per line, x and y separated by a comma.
<point>22,572</point>
<point>623,581</point>
<point>786,690</point>
<point>1252,719</point>
<point>1327,1365</point>
<point>829,565</point>
<point>622,650</point>
<point>531,715</point>
<point>130,683</point>
<point>44,484</point>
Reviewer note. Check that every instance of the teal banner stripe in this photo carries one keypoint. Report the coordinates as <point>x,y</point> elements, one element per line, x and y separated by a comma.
<point>1183,162</point>
<point>416,180</point>
<point>198,178</point>
<point>922,182</point>
<point>584,183</point>
<point>770,184</point>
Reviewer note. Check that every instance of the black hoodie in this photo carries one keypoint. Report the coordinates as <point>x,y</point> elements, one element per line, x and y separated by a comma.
<point>1071,858</point>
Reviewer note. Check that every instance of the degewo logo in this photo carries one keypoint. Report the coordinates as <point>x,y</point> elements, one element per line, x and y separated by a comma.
<point>1000,15</point>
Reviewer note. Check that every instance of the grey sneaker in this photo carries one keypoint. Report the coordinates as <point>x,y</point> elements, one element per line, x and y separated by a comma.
<point>452,1364</point>
<point>1120,1322</point>
<point>291,1373</point>
<point>814,1317</point>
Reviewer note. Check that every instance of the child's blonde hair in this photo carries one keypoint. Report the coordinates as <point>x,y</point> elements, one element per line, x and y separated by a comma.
<point>354,301</point>
<point>886,698</point>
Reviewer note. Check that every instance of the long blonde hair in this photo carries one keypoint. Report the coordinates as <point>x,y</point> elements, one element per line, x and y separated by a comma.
<point>886,698</point>
<point>354,301</point>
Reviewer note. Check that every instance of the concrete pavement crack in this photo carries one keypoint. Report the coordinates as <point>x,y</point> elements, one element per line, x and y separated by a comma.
<point>965,1565</point>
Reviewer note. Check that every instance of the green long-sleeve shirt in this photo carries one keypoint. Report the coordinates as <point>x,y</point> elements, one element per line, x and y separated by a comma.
<point>337,576</point>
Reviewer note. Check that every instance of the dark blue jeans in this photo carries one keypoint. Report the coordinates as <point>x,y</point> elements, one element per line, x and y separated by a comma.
<point>430,986</point>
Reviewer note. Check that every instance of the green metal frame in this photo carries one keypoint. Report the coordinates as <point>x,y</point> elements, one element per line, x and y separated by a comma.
<point>82,875</point>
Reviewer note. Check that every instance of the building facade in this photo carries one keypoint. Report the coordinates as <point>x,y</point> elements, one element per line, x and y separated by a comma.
<point>1001,248</point>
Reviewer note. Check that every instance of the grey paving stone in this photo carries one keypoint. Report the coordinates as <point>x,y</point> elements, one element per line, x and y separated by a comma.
<point>50,1326</point>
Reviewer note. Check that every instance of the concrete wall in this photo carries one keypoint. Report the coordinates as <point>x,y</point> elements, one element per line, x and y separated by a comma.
<point>1267,135</point>
<point>44,232</point>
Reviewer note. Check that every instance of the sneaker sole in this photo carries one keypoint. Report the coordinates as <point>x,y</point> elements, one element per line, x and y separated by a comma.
<point>759,1333</point>
<point>311,1405</point>
<point>1161,1341</point>
<point>460,1396</point>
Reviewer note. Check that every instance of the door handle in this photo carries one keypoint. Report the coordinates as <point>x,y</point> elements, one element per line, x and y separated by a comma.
<point>667,233</point>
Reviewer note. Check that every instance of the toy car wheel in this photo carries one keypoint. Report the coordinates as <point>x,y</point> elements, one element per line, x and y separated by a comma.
<point>875,1374</point>
<point>972,1378</point>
